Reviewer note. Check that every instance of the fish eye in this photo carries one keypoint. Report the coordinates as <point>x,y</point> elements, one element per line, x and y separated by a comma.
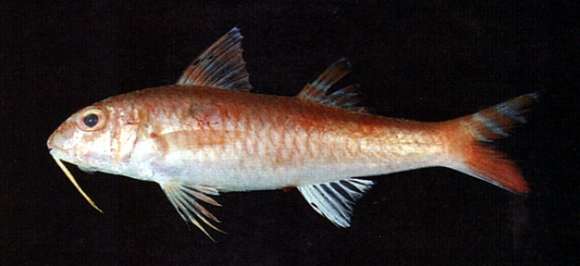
<point>91,119</point>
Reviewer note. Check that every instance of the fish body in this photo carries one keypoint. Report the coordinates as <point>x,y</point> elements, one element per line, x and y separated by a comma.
<point>208,134</point>
<point>239,141</point>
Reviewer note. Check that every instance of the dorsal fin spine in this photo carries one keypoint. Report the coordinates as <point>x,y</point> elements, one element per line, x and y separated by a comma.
<point>219,66</point>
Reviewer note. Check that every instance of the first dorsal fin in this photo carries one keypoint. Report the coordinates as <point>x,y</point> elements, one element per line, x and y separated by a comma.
<point>347,97</point>
<point>220,66</point>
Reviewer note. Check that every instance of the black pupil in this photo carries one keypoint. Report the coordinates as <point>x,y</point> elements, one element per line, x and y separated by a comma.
<point>91,120</point>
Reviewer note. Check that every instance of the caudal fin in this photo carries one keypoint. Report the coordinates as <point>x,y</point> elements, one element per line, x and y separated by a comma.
<point>475,158</point>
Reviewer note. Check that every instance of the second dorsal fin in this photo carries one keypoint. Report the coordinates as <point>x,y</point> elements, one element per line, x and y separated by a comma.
<point>346,98</point>
<point>220,66</point>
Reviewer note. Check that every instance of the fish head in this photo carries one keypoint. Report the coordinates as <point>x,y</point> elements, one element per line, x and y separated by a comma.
<point>99,137</point>
<point>84,138</point>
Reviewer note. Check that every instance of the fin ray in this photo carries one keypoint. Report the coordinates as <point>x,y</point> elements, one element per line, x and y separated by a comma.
<point>495,122</point>
<point>220,66</point>
<point>193,207</point>
<point>202,197</point>
<point>481,161</point>
<point>183,198</point>
<point>330,199</point>
<point>318,90</point>
<point>186,216</point>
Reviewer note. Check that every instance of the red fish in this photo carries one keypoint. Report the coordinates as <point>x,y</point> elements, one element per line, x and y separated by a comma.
<point>208,134</point>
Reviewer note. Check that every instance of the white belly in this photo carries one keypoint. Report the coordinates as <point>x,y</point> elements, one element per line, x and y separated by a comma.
<point>237,174</point>
<point>234,167</point>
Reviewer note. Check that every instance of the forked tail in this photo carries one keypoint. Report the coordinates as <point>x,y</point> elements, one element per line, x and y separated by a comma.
<point>471,155</point>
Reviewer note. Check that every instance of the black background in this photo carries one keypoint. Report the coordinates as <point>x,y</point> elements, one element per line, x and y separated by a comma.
<point>430,61</point>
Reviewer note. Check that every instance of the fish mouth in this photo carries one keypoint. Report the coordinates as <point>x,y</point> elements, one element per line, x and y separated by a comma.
<point>54,154</point>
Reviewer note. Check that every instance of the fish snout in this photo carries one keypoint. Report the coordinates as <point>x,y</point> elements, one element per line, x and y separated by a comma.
<point>54,141</point>
<point>50,142</point>
<point>60,138</point>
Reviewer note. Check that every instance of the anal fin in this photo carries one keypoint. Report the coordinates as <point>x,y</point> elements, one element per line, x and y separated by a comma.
<point>184,198</point>
<point>335,200</point>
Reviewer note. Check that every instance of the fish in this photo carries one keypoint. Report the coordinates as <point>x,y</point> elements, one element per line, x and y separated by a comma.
<point>208,134</point>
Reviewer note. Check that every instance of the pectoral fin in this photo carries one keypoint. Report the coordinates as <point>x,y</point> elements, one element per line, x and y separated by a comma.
<point>335,200</point>
<point>184,198</point>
